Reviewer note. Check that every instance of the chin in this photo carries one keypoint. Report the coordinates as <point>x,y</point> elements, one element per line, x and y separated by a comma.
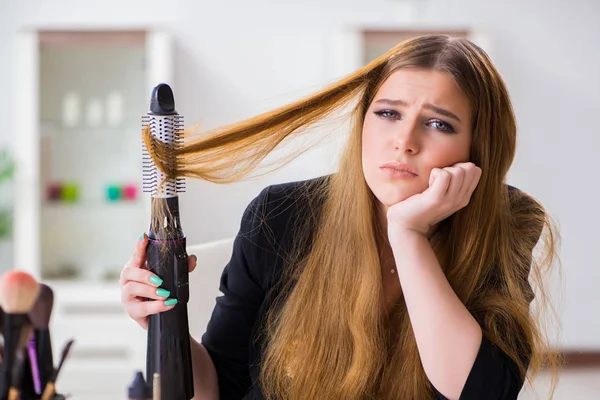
<point>390,192</point>
<point>390,196</point>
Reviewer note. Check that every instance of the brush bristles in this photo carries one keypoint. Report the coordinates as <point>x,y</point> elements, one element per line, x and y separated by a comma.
<point>42,309</point>
<point>168,130</point>
<point>18,292</point>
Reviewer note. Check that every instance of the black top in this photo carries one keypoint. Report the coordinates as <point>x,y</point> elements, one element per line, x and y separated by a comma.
<point>247,284</point>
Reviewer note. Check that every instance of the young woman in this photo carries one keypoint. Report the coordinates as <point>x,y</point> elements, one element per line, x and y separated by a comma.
<point>405,274</point>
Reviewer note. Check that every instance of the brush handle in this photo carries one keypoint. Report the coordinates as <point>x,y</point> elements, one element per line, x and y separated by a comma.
<point>13,330</point>
<point>22,384</point>
<point>33,360</point>
<point>48,391</point>
<point>44,355</point>
<point>14,394</point>
<point>168,347</point>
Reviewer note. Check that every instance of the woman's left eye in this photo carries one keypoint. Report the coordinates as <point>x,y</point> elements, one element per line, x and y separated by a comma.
<point>442,126</point>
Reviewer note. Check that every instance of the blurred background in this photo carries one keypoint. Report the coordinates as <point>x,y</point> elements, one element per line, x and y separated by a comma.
<point>76,78</point>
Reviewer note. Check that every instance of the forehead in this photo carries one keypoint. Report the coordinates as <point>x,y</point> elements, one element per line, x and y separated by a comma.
<point>417,86</point>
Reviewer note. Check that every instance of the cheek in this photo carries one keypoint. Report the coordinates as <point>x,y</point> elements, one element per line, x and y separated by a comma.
<point>367,149</point>
<point>371,146</point>
<point>448,153</point>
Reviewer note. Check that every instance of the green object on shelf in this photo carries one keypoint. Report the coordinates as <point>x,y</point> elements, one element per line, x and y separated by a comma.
<point>6,173</point>
<point>113,193</point>
<point>69,192</point>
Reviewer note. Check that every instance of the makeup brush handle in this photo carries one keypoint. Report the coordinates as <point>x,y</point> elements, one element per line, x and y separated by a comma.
<point>34,364</point>
<point>13,330</point>
<point>13,394</point>
<point>45,358</point>
<point>48,391</point>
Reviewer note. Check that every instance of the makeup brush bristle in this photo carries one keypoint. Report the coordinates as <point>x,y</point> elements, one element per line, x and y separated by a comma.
<point>18,292</point>
<point>42,309</point>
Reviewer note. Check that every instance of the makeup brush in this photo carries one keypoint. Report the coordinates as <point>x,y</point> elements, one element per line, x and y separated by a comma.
<point>18,292</point>
<point>1,344</point>
<point>40,348</point>
<point>14,392</point>
<point>50,386</point>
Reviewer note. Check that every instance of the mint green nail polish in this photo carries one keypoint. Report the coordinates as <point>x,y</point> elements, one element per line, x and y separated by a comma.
<point>156,280</point>
<point>163,292</point>
<point>141,237</point>
<point>170,302</point>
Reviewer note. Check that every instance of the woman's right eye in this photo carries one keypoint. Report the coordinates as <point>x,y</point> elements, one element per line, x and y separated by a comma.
<point>388,114</point>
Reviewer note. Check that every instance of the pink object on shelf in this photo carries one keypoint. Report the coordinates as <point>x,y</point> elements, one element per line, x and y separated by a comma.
<point>53,192</point>
<point>130,192</point>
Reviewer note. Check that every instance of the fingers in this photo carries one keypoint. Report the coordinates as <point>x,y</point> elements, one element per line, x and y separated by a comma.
<point>131,290</point>
<point>192,261</point>
<point>440,182</point>
<point>476,177</point>
<point>138,259</point>
<point>137,274</point>
<point>472,175</point>
<point>140,310</point>
<point>457,182</point>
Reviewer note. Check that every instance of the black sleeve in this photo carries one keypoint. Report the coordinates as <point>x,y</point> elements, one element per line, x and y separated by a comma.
<point>494,376</point>
<point>228,335</point>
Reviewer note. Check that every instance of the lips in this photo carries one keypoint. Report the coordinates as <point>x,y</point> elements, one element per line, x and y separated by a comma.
<point>400,167</point>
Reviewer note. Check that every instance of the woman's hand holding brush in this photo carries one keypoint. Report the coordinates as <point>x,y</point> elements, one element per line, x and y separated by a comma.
<point>138,284</point>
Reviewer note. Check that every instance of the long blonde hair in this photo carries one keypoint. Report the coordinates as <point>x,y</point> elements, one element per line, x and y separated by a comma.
<point>330,337</point>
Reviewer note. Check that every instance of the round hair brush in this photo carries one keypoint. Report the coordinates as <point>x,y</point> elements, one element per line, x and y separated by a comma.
<point>18,292</point>
<point>168,354</point>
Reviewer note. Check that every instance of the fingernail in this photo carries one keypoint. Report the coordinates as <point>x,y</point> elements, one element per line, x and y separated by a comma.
<point>156,280</point>
<point>195,258</point>
<point>163,292</point>
<point>170,302</point>
<point>141,237</point>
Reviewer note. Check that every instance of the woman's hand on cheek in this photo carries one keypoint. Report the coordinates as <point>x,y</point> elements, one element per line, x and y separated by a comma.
<point>449,190</point>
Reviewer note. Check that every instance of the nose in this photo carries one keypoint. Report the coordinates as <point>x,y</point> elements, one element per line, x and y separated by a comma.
<point>407,138</point>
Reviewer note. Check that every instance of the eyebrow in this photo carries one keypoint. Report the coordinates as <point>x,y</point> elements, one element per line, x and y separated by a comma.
<point>427,106</point>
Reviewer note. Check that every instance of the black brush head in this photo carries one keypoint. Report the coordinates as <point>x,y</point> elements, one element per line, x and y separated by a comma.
<point>63,357</point>
<point>42,309</point>
<point>162,101</point>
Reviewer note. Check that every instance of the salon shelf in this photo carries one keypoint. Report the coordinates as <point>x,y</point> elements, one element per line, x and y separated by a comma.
<point>62,140</point>
<point>86,132</point>
<point>86,206</point>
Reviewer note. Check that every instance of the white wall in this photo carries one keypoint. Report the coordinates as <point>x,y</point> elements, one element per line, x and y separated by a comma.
<point>236,58</point>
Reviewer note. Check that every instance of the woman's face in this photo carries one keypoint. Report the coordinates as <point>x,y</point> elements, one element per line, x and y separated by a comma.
<point>418,120</point>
